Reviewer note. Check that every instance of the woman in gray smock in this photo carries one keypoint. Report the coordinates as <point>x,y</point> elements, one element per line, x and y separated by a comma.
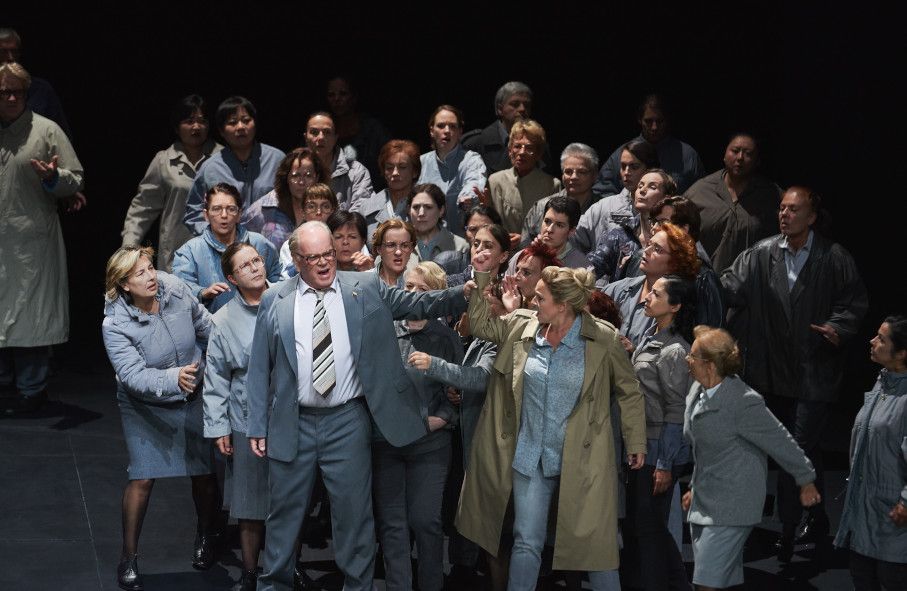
<point>874,523</point>
<point>226,407</point>
<point>155,333</point>
<point>163,191</point>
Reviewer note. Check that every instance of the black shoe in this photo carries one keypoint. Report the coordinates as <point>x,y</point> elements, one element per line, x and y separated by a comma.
<point>203,555</point>
<point>248,581</point>
<point>301,580</point>
<point>28,404</point>
<point>813,528</point>
<point>784,548</point>
<point>128,576</point>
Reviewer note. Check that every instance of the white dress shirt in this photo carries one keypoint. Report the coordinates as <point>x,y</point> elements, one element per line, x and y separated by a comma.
<point>348,385</point>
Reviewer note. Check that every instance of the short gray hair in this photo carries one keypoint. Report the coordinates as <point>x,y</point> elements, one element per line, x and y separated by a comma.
<point>294,237</point>
<point>16,70</point>
<point>578,150</point>
<point>507,90</point>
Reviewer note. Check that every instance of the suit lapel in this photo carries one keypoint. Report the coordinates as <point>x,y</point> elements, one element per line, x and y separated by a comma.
<point>286,313</point>
<point>779,278</point>
<point>353,307</point>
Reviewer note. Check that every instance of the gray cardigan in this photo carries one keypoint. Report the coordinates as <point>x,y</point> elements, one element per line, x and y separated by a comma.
<point>731,434</point>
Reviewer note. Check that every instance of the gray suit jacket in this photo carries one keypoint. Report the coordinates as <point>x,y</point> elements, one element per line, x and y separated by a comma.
<point>731,434</point>
<point>371,308</point>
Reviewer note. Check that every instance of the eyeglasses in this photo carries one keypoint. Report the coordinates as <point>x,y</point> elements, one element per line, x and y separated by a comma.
<point>319,207</point>
<point>691,357</point>
<point>312,259</point>
<point>393,246</point>
<point>7,94</point>
<point>219,209</point>
<point>657,249</point>
<point>297,178</point>
<point>248,265</point>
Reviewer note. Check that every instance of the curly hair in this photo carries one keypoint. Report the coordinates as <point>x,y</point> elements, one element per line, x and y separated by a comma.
<point>684,259</point>
<point>392,224</point>
<point>544,253</point>
<point>281,177</point>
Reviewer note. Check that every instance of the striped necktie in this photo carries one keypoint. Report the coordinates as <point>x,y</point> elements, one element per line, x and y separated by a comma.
<point>323,376</point>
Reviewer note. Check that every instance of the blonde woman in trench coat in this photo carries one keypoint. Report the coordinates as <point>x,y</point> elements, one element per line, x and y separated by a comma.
<point>586,530</point>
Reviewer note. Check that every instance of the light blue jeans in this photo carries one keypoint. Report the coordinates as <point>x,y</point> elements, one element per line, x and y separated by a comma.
<point>531,503</point>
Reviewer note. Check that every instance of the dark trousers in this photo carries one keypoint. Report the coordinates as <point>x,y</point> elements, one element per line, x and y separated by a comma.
<point>806,421</point>
<point>870,574</point>
<point>408,487</point>
<point>649,545</point>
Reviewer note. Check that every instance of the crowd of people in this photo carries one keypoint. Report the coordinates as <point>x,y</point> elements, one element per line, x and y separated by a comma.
<point>568,363</point>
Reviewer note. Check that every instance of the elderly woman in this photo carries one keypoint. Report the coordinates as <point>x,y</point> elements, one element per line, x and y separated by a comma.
<point>670,251</point>
<point>456,171</point>
<point>514,191</point>
<point>636,158</point>
<point>660,365</point>
<point>155,333</point>
<point>165,188</point>
<point>350,181</point>
<point>349,231</point>
<point>39,167</point>
<point>277,214</point>
<point>245,163</point>
<point>739,207</point>
<point>226,408</point>
<point>616,247</point>
<point>546,426</point>
<point>394,245</point>
<point>399,159</point>
<point>409,481</point>
<point>874,523</point>
<point>731,433</point>
<point>578,165</point>
<point>198,262</point>
<point>427,208</point>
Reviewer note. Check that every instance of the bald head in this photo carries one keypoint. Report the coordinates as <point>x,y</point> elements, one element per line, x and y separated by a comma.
<point>312,249</point>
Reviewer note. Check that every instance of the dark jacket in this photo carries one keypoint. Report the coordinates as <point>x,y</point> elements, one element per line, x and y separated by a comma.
<point>782,354</point>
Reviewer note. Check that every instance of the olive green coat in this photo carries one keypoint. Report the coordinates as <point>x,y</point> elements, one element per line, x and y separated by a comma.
<point>586,531</point>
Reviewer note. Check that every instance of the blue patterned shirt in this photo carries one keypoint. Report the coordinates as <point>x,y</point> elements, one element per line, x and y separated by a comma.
<point>551,386</point>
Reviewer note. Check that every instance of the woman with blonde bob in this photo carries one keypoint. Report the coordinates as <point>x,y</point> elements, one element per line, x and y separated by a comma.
<point>155,333</point>
<point>732,433</point>
<point>546,426</point>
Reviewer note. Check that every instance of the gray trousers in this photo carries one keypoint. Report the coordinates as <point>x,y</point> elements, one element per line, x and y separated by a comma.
<point>338,440</point>
<point>409,487</point>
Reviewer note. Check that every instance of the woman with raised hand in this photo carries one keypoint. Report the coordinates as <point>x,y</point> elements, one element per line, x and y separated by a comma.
<point>546,426</point>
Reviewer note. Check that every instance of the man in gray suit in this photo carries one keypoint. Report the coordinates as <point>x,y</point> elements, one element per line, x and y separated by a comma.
<point>312,386</point>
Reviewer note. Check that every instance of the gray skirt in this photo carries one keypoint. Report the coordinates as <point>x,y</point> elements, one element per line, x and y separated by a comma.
<point>718,554</point>
<point>246,482</point>
<point>165,440</point>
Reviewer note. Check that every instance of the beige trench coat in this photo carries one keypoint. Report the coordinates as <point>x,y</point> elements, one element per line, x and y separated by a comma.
<point>586,531</point>
<point>34,291</point>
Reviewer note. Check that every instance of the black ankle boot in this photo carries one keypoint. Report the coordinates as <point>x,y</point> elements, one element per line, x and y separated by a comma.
<point>203,554</point>
<point>128,576</point>
<point>248,581</point>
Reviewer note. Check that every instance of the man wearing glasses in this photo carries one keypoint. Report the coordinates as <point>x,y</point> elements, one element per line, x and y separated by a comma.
<point>324,367</point>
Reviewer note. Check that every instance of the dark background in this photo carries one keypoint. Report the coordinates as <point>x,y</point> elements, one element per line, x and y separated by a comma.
<point>818,86</point>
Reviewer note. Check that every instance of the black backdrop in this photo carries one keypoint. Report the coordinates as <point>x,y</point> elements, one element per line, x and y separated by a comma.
<point>816,87</point>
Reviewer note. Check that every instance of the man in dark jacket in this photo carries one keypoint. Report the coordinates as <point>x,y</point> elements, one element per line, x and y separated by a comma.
<point>798,298</point>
